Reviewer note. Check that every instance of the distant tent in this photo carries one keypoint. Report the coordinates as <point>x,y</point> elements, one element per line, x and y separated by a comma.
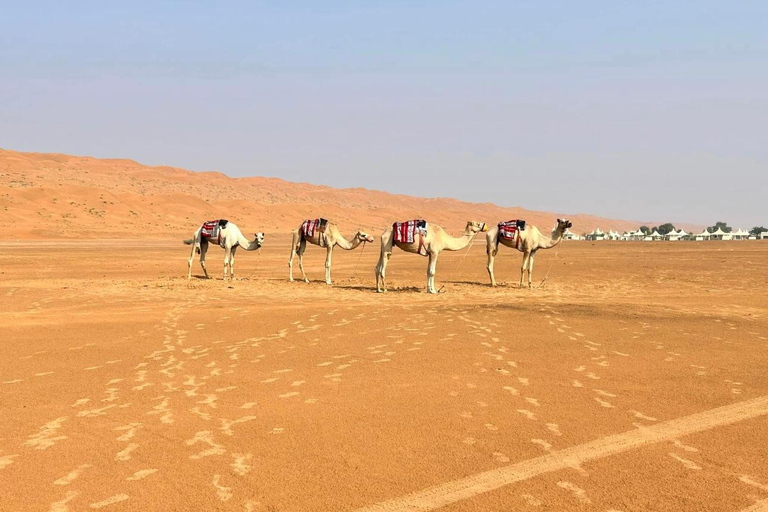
<point>740,234</point>
<point>704,235</point>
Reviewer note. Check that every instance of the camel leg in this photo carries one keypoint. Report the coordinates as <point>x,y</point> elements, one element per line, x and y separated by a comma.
<point>302,248</point>
<point>227,255</point>
<point>203,252</point>
<point>232,264</point>
<point>491,258</point>
<point>431,269</point>
<point>530,268</point>
<point>191,257</point>
<point>328,264</point>
<point>381,266</point>
<point>526,256</point>
<point>294,248</point>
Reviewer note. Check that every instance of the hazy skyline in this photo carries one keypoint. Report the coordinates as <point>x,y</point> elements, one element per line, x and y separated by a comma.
<point>651,111</point>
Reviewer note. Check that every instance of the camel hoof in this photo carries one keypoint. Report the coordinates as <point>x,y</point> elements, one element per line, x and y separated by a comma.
<point>290,280</point>
<point>306,281</point>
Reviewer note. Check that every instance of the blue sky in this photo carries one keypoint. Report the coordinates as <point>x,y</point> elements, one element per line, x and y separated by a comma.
<point>642,110</point>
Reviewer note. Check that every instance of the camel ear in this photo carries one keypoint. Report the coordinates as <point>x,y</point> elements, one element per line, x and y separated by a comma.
<point>559,221</point>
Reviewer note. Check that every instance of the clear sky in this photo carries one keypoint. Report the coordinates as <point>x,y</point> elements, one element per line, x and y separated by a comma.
<point>648,110</point>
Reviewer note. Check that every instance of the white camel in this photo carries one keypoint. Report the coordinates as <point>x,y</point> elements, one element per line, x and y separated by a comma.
<point>527,241</point>
<point>330,238</point>
<point>229,237</point>
<point>429,244</point>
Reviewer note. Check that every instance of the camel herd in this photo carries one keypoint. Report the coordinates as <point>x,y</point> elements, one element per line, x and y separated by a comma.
<point>429,242</point>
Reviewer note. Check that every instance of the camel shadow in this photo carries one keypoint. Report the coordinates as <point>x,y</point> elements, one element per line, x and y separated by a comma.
<point>473,283</point>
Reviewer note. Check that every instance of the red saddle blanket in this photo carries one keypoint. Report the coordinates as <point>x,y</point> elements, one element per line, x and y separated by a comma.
<point>212,229</point>
<point>308,227</point>
<point>405,232</point>
<point>508,230</point>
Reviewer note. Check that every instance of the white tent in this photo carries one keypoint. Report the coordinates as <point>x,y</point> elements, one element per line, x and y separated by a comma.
<point>672,235</point>
<point>656,235</point>
<point>704,235</point>
<point>569,235</point>
<point>721,235</point>
<point>682,233</point>
<point>740,234</point>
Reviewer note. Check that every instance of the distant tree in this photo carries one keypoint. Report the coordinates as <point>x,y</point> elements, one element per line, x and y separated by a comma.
<point>666,228</point>
<point>757,230</point>
<point>645,230</point>
<point>722,225</point>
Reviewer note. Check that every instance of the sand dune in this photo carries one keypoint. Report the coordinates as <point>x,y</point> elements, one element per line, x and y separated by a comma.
<point>61,196</point>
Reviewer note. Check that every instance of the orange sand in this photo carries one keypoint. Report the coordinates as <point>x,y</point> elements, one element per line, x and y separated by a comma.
<point>124,387</point>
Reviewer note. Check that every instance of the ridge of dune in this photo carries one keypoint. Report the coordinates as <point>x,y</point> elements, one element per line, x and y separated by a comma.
<point>52,195</point>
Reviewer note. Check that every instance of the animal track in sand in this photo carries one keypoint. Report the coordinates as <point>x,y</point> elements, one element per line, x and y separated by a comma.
<point>125,454</point>
<point>117,498</point>
<point>579,493</point>
<point>678,444</point>
<point>205,436</point>
<point>554,428</point>
<point>642,416</point>
<point>500,457</point>
<point>545,445</point>
<point>226,425</point>
<point>61,506</point>
<point>603,403</point>
<point>7,460</point>
<point>685,462</point>
<point>531,500</point>
<point>72,475</point>
<point>46,437</point>
<point>241,465</point>
<point>528,414</point>
<point>746,479</point>
<point>141,474</point>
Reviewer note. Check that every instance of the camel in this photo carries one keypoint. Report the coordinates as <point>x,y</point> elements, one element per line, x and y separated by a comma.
<point>229,237</point>
<point>328,239</point>
<point>528,241</point>
<point>432,243</point>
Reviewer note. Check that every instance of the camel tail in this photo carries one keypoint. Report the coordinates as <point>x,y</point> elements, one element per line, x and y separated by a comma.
<point>189,241</point>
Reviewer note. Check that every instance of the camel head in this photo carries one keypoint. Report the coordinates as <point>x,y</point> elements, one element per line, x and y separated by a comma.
<point>563,224</point>
<point>476,227</point>
<point>364,237</point>
<point>259,239</point>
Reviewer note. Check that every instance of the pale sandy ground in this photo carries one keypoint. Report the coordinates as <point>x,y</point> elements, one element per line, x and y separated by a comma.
<point>634,380</point>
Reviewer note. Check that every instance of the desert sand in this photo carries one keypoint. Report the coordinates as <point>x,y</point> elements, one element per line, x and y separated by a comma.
<point>635,379</point>
<point>60,196</point>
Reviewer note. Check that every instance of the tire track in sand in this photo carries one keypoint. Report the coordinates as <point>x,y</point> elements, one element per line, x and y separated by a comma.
<point>451,492</point>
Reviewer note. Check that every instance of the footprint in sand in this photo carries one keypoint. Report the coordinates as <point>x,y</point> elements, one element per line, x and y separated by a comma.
<point>242,463</point>
<point>61,506</point>
<point>72,475</point>
<point>545,445</point>
<point>579,493</point>
<point>554,428</point>
<point>603,403</point>
<point>528,414</point>
<point>685,462</point>
<point>7,460</point>
<point>140,475</point>
<point>500,457</point>
<point>117,498</point>
<point>642,416</point>
<point>125,454</point>
<point>531,500</point>
<point>47,437</point>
